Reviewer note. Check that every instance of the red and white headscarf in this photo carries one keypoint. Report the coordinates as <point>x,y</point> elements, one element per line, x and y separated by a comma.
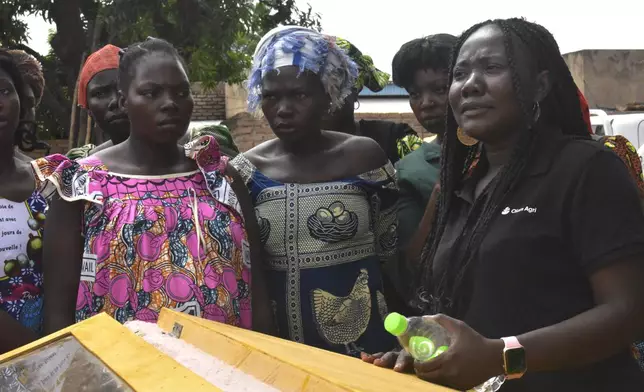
<point>103,59</point>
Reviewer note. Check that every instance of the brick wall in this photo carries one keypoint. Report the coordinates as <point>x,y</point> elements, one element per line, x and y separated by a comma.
<point>249,131</point>
<point>236,99</point>
<point>209,104</point>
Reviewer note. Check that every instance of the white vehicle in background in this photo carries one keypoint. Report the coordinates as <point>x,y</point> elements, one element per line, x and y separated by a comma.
<point>629,125</point>
<point>601,122</point>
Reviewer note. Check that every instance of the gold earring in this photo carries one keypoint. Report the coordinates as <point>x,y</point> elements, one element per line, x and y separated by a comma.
<point>464,138</point>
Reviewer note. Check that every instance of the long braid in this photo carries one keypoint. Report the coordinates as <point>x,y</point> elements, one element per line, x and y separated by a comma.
<point>507,177</point>
<point>516,80</point>
<point>452,169</point>
<point>562,105</point>
<point>450,292</point>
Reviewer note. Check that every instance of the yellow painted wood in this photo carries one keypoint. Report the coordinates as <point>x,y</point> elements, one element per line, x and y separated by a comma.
<point>256,363</point>
<point>328,371</point>
<point>139,364</point>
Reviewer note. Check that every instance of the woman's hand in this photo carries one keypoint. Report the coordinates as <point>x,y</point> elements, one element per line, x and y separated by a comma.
<point>470,360</point>
<point>400,360</point>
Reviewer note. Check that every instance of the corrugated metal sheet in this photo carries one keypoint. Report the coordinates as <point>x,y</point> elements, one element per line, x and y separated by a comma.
<point>390,90</point>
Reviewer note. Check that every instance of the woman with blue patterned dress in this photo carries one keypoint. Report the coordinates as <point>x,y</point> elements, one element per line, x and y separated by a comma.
<point>325,201</point>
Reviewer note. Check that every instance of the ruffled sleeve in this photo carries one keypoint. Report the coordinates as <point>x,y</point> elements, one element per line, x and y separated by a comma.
<point>72,180</point>
<point>206,153</point>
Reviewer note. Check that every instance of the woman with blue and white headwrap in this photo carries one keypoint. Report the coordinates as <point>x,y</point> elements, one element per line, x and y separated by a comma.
<point>325,201</point>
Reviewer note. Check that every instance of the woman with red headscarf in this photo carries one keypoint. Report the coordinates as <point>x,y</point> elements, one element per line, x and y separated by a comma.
<point>98,93</point>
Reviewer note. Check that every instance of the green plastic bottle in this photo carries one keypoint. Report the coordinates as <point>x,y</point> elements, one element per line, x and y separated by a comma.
<point>422,337</point>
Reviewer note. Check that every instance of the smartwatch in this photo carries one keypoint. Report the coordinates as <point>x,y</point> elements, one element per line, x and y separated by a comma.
<point>514,363</point>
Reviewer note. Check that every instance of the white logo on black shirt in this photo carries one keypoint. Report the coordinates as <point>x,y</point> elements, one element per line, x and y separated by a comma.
<point>526,209</point>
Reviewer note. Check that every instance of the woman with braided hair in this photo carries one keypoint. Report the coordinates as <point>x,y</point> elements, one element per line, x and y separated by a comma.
<point>534,278</point>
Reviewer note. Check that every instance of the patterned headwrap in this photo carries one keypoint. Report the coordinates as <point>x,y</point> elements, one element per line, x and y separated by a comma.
<point>31,71</point>
<point>308,50</point>
<point>369,76</point>
<point>103,59</point>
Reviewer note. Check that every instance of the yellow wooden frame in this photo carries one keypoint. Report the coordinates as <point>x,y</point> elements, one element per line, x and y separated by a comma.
<point>287,366</point>
<point>139,364</point>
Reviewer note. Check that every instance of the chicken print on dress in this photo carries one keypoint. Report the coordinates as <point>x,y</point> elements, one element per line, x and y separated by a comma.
<point>342,320</point>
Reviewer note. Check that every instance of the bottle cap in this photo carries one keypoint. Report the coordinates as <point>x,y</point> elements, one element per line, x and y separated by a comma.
<point>396,324</point>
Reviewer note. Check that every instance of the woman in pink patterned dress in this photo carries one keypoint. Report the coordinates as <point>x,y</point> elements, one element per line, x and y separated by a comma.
<point>146,225</point>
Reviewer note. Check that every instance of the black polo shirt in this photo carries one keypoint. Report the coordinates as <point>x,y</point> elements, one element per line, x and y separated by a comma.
<point>575,211</point>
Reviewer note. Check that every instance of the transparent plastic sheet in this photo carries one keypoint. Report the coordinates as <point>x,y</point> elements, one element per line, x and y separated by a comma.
<point>64,365</point>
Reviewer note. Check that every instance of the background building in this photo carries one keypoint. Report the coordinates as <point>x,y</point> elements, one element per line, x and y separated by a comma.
<point>610,79</point>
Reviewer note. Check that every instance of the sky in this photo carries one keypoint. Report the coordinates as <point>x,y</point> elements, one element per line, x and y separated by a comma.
<point>379,27</point>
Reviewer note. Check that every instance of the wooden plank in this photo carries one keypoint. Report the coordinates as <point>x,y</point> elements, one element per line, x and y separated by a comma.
<point>256,363</point>
<point>334,369</point>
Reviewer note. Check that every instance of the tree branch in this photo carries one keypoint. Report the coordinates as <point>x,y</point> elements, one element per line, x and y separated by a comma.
<point>67,43</point>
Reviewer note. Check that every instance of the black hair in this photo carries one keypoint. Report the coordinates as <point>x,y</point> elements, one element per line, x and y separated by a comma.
<point>451,291</point>
<point>9,65</point>
<point>431,52</point>
<point>130,56</point>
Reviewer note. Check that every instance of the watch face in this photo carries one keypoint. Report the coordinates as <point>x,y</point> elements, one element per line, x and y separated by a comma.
<point>515,361</point>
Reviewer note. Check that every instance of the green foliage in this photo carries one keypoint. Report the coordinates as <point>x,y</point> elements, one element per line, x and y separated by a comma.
<point>216,37</point>
<point>12,30</point>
